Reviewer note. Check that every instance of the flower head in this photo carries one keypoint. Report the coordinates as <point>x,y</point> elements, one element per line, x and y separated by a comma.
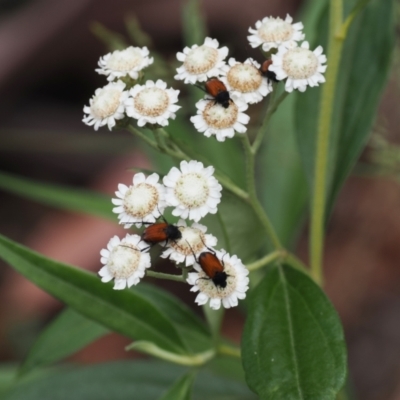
<point>152,103</point>
<point>125,62</point>
<point>106,106</point>
<point>213,119</point>
<point>125,261</point>
<point>301,66</point>
<point>244,81</point>
<point>237,283</point>
<point>201,62</point>
<point>192,190</point>
<point>141,202</point>
<point>274,32</point>
<point>194,240</point>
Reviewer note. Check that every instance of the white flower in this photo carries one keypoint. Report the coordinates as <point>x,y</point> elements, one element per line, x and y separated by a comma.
<point>213,119</point>
<point>124,62</point>
<point>194,240</point>
<point>141,202</point>
<point>152,103</point>
<point>201,62</point>
<point>245,81</point>
<point>125,261</point>
<point>192,190</point>
<point>300,66</point>
<point>106,105</point>
<point>274,32</point>
<point>228,286</point>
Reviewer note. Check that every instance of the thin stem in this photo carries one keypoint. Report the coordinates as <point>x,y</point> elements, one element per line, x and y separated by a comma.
<point>141,135</point>
<point>272,107</point>
<point>224,232</point>
<point>253,199</point>
<point>342,33</point>
<point>226,350</point>
<point>192,360</point>
<point>225,181</point>
<point>262,262</point>
<point>324,129</point>
<point>161,275</point>
<point>295,262</point>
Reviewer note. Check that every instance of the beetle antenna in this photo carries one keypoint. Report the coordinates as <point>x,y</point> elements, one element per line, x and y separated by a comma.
<point>208,248</point>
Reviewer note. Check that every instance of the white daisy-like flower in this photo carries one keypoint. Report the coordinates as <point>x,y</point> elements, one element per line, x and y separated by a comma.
<point>152,103</point>
<point>301,66</point>
<point>141,202</point>
<point>273,32</point>
<point>194,240</point>
<point>192,190</point>
<point>125,261</point>
<point>201,62</point>
<point>106,106</point>
<point>245,81</point>
<point>226,287</point>
<point>125,62</point>
<point>213,119</point>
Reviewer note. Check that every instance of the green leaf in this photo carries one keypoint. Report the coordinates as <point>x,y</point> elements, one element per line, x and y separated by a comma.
<point>191,328</point>
<point>124,380</point>
<point>58,196</point>
<point>193,23</point>
<point>125,311</point>
<point>64,336</point>
<point>283,185</point>
<point>282,181</point>
<point>181,389</point>
<point>366,58</point>
<point>293,345</point>
<point>243,229</point>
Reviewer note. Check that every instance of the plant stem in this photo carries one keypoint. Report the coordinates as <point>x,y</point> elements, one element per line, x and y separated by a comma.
<point>161,275</point>
<point>192,360</point>
<point>269,258</point>
<point>274,104</point>
<point>253,199</point>
<point>137,132</point>
<point>228,351</point>
<point>179,154</point>
<point>224,232</point>
<point>295,262</point>
<point>324,129</point>
<point>225,181</point>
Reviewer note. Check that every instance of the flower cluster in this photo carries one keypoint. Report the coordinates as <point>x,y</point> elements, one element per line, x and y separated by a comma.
<point>193,192</point>
<point>300,66</point>
<point>151,103</point>
<point>248,82</point>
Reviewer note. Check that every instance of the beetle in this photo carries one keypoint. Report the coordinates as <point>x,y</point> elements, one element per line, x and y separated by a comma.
<point>264,70</point>
<point>159,232</point>
<point>217,89</point>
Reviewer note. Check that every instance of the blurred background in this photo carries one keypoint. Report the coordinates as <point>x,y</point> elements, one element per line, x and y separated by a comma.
<point>48,54</point>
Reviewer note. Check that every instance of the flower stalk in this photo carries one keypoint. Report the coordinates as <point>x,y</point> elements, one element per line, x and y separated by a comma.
<point>318,204</point>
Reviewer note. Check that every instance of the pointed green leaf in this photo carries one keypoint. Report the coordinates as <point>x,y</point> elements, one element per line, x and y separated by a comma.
<point>293,345</point>
<point>192,329</point>
<point>362,75</point>
<point>181,389</point>
<point>64,336</point>
<point>193,22</point>
<point>125,311</point>
<point>58,196</point>
<point>144,380</point>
